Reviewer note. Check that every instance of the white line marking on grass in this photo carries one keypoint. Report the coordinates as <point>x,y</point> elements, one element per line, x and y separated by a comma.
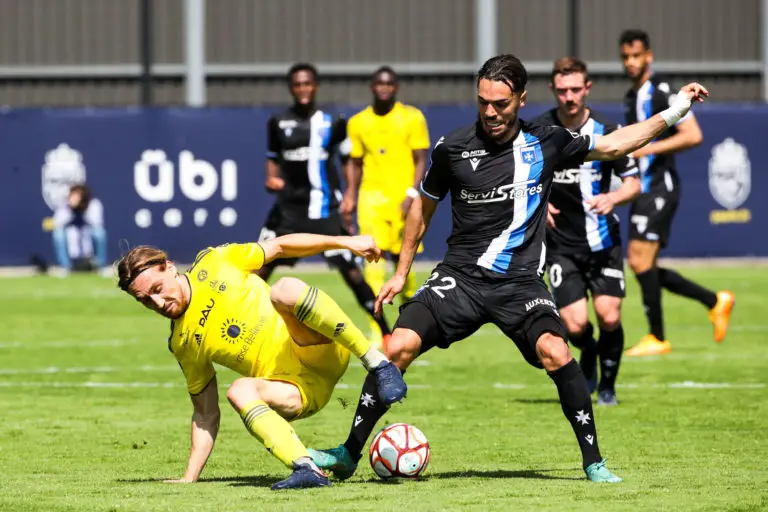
<point>499,385</point>
<point>64,293</point>
<point>689,384</point>
<point>65,343</point>
<point>51,370</point>
<point>87,384</point>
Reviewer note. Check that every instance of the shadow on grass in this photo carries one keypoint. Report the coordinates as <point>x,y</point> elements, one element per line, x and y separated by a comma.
<point>268,480</point>
<point>535,474</point>
<point>251,481</point>
<point>535,401</point>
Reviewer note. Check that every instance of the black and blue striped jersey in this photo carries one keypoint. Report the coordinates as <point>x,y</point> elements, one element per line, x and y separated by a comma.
<point>577,229</point>
<point>652,97</point>
<point>305,149</point>
<point>499,194</point>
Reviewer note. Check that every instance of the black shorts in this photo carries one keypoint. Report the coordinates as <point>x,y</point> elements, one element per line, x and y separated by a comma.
<point>571,276</point>
<point>651,214</point>
<point>281,221</point>
<point>459,305</point>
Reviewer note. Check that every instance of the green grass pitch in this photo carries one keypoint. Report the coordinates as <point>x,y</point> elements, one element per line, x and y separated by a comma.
<point>95,413</point>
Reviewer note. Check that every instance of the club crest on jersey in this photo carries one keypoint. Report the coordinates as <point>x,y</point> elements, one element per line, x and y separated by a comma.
<point>528,155</point>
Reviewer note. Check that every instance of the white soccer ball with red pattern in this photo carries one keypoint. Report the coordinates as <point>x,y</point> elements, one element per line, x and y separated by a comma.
<point>399,450</point>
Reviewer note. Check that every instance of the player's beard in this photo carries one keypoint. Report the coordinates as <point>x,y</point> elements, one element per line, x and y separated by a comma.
<point>499,132</point>
<point>636,76</point>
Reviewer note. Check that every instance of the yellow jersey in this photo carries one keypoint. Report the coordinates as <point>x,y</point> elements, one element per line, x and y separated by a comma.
<point>386,144</point>
<point>230,319</point>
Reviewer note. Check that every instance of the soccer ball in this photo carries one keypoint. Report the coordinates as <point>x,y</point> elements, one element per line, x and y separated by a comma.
<point>399,450</point>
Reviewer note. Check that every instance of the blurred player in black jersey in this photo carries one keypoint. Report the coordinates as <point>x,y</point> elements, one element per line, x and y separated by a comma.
<point>652,213</point>
<point>583,243</point>
<point>303,143</point>
<point>498,172</point>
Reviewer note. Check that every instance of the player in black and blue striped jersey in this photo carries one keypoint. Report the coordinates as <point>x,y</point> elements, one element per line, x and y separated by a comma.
<point>584,252</point>
<point>498,172</point>
<point>652,213</point>
<point>303,144</point>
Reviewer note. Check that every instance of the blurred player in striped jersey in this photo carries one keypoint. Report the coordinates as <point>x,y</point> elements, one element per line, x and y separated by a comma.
<point>584,252</point>
<point>652,213</point>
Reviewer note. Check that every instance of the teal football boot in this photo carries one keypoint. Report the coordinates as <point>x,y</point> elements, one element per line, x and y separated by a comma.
<point>338,460</point>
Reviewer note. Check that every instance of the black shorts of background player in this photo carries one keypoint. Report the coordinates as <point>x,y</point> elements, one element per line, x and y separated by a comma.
<point>498,172</point>
<point>303,143</point>
<point>652,213</point>
<point>583,243</point>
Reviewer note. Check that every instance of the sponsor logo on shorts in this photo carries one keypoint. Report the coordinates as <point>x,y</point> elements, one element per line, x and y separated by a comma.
<point>613,272</point>
<point>540,302</point>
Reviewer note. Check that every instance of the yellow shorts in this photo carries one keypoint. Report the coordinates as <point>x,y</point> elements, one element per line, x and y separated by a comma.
<point>383,220</point>
<point>315,370</point>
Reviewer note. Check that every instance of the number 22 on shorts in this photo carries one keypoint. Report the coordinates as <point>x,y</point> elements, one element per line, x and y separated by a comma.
<point>447,283</point>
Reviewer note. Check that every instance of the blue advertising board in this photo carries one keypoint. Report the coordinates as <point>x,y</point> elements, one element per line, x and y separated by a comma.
<point>183,179</point>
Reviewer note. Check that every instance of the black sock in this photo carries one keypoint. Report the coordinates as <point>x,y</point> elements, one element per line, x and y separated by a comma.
<point>369,411</point>
<point>365,296</point>
<point>651,288</point>
<point>676,283</point>
<point>577,407</point>
<point>610,347</point>
<point>586,342</point>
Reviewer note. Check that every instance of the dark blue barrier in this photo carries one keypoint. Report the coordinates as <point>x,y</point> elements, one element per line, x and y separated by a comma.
<point>183,179</point>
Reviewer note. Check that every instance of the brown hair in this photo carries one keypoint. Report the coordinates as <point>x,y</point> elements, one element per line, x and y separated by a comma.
<point>568,65</point>
<point>137,261</point>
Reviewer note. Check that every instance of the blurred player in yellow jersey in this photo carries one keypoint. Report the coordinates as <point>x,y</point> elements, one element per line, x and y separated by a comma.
<point>291,343</point>
<point>388,157</point>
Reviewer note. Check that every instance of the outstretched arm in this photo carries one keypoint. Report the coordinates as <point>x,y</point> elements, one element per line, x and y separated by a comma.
<point>627,139</point>
<point>205,427</point>
<point>688,136</point>
<point>300,245</point>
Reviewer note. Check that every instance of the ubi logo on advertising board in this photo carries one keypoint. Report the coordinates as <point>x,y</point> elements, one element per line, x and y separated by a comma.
<point>155,179</point>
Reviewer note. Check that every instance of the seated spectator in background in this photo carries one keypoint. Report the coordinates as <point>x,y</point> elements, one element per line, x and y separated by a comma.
<point>79,238</point>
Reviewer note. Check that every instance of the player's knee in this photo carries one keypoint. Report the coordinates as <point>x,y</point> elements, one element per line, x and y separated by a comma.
<point>575,324</point>
<point>286,292</point>
<point>609,319</point>
<point>403,347</point>
<point>639,260</point>
<point>552,351</point>
<point>242,391</point>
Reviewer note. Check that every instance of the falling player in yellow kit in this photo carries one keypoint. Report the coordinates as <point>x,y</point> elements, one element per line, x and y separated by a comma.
<point>388,157</point>
<point>291,343</point>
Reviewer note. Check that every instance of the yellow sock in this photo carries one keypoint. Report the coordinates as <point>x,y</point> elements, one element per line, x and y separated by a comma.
<point>375,274</point>
<point>410,286</point>
<point>273,431</point>
<point>319,312</point>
